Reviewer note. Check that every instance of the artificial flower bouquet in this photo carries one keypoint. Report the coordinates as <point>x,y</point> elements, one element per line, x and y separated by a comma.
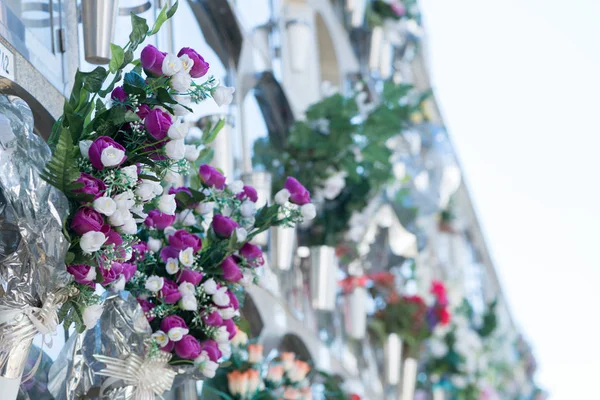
<point>411,317</point>
<point>194,259</point>
<point>339,152</point>
<point>250,377</point>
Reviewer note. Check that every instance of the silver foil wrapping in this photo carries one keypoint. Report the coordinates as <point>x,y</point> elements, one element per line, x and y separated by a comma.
<point>121,331</point>
<point>32,245</point>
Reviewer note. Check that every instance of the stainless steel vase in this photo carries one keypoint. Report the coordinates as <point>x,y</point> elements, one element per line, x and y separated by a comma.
<point>355,313</point>
<point>98,18</point>
<point>323,277</point>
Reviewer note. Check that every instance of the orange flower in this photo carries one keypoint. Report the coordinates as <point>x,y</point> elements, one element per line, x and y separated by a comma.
<point>253,381</point>
<point>299,371</point>
<point>237,382</point>
<point>287,359</point>
<point>275,373</point>
<point>255,353</point>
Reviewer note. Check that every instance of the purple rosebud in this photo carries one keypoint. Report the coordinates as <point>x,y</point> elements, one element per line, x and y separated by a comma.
<point>188,347</point>
<point>157,123</point>
<point>231,271</point>
<point>298,193</point>
<point>223,226</point>
<point>211,176</point>
<point>200,67</point>
<point>213,319</point>
<point>181,189</point>
<point>248,193</point>
<point>169,347</point>
<point>112,273</point>
<point>83,274</point>
<point>87,219</point>
<point>212,350</point>
<point>230,325</point>
<point>169,292</point>
<point>233,301</point>
<point>182,239</point>
<point>118,94</point>
<point>146,306</point>
<point>398,9</point>
<point>152,60</point>
<point>112,237</point>
<point>143,111</point>
<point>159,220</point>
<point>187,275</point>
<point>91,185</point>
<point>139,251</point>
<point>172,321</point>
<point>128,270</point>
<point>253,254</point>
<point>168,252</point>
<point>99,146</point>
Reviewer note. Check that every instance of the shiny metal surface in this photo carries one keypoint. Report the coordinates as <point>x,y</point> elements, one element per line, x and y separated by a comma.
<point>323,277</point>
<point>98,18</point>
<point>355,313</point>
<point>392,359</point>
<point>282,247</point>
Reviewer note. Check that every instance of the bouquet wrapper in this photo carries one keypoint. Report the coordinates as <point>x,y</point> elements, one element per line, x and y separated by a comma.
<point>111,360</point>
<point>32,245</point>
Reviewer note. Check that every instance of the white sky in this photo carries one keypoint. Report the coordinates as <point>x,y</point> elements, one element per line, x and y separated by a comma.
<point>518,84</point>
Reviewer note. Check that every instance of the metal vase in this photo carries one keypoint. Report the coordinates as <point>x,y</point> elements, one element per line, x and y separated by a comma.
<point>409,378</point>
<point>261,181</point>
<point>282,247</point>
<point>323,277</point>
<point>12,371</point>
<point>223,144</point>
<point>392,359</point>
<point>355,313</point>
<point>98,18</point>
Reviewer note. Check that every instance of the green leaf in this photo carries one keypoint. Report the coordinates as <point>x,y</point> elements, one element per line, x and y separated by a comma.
<point>210,133</point>
<point>100,106</point>
<point>61,171</point>
<point>163,96</point>
<point>118,56</point>
<point>163,16</point>
<point>93,81</point>
<point>149,177</point>
<point>206,155</point>
<point>139,29</point>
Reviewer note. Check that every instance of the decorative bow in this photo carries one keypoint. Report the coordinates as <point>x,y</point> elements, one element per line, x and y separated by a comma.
<point>350,283</point>
<point>150,376</point>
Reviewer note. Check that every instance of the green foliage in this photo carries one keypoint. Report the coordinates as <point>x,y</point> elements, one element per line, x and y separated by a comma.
<point>163,16</point>
<point>71,312</point>
<point>118,56</point>
<point>61,171</point>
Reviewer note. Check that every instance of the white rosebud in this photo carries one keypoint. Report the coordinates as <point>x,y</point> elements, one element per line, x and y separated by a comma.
<point>91,275</point>
<point>176,334</point>
<point>225,349</point>
<point>167,204</point>
<point>130,173</point>
<point>282,197</point>
<point>175,149</point>
<point>171,65</point>
<point>169,230</point>
<point>178,130</point>
<point>84,148</point>
<point>125,200</point>
<point>187,218</point>
<point>172,266</point>
<point>186,257</point>
<point>105,205</point>
<point>241,234</point>
<point>220,298</point>
<point>181,81</point>
<point>227,313</point>
<point>129,227</point>
<point>187,289</point>
<point>119,217</point>
<point>111,156</point>
<point>186,62</point>
<point>173,178</point>
<point>208,368</point>
<point>154,245</point>
<point>309,211</point>
<point>139,214</point>
<point>205,208</point>
<point>179,109</point>
<point>248,209</point>
<point>92,241</point>
<point>145,192</point>
<point>221,335</point>
<point>188,303</point>
<point>154,283</point>
<point>247,279</point>
<point>91,315</point>
<point>160,338</point>
<point>191,152</point>
<point>118,285</point>
<point>223,95</point>
<point>236,187</point>
<point>210,286</point>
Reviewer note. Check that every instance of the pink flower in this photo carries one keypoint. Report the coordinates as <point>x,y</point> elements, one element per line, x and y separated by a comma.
<point>157,124</point>
<point>168,252</point>
<point>159,220</point>
<point>139,251</point>
<point>152,60</point>
<point>213,319</point>
<point>87,219</point>
<point>143,111</point>
<point>146,306</point>
<point>253,254</point>
<point>113,237</point>
<point>182,239</point>
<point>83,274</point>
<point>169,347</point>
<point>118,94</point>
<point>91,185</point>
<point>170,292</point>
<point>211,176</point>
<point>233,301</point>
<point>188,347</point>
<point>248,193</point>
<point>231,271</point>
<point>172,321</point>
<point>193,277</point>
<point>223,226</point>
<point>200,67</point>
<point>212,350</point>
<point>98,147</point>
<point>398,8</point>
<point>112,273</point>
<point>128,270</point>
<point>298,193</point>
<point>230,325</point>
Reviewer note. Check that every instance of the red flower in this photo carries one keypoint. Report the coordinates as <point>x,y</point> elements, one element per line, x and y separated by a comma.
<point>354,396</point>
<point>444,316</point>
<point>382,278</point>
<point>439,291</point>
